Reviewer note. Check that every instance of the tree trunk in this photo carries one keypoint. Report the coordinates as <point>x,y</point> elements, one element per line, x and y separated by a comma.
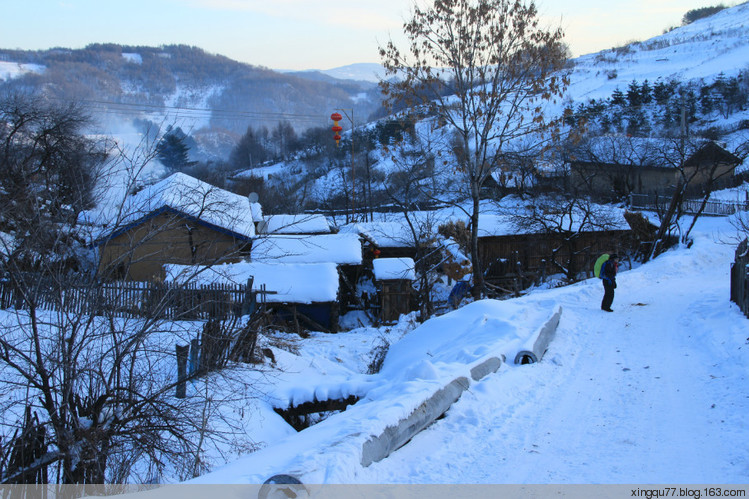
<point>478,275</point>
<point>666,222</point>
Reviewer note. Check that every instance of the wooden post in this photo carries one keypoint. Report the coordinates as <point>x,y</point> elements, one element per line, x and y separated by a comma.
<point>194,358</point>
<point>182,351</point>
<point>248,303</point>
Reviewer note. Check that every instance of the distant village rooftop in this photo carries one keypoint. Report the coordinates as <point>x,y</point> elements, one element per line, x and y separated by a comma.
<point>295,224</point>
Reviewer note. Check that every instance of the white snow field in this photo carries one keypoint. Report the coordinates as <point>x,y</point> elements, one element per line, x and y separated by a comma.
<point>655,392</point>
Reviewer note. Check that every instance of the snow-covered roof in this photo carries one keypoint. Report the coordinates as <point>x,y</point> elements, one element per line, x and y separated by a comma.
<point>189,197</point>
<point>295,224</point>
<point>341,249</point>
<point>383,234</point>
<point>303,283</point>
<point>393,269</point>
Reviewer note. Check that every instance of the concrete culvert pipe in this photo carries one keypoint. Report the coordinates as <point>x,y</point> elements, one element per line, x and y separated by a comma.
<point>525,357</point>
<point>541,341</point>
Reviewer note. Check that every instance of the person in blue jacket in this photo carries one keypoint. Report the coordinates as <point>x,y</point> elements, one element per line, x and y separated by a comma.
<point>608,276</point>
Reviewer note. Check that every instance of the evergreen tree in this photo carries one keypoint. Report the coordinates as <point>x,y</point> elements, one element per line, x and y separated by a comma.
<point>634,94</point>
<point>617,98</point>
<point>172,150</point>
<point>646,95</point>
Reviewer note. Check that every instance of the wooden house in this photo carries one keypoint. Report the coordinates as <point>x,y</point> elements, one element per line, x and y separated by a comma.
<point>394,278</point>
<point>515,258</point>
<point>614,167</point>
<point>179,220</point>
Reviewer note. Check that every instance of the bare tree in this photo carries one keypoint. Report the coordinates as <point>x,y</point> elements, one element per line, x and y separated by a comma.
<point>700,166</point>
<point>410,187</point>
<point>485,69</point>
<point>87,387</point>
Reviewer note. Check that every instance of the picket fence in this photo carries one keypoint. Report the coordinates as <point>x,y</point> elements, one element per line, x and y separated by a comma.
<point>689,206</point>
<point>130,298</point>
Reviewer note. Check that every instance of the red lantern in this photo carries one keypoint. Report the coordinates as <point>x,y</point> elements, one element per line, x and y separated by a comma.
<point>336,128</point>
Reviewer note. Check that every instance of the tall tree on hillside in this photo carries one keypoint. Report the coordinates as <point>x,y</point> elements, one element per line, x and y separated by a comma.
<point>172,149</point>
<point>285,139</point>
<point>251,150</point>
<point>501,66</point>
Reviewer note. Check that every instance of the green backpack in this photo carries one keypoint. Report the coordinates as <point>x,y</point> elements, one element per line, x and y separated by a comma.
<point>599,263</point>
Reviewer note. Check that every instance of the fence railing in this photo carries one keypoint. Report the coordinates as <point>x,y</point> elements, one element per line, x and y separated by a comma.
<point>740,277</point>
<point>129,298</point>
<point>689,206</point>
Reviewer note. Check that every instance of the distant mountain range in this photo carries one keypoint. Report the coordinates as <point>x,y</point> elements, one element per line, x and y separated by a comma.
<point>214,97</point>
<point>365,72</point>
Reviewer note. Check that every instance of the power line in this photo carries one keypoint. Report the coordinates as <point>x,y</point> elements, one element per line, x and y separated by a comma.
<point>111,107</point>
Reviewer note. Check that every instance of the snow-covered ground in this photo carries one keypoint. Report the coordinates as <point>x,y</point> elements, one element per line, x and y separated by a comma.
<point>655,392</point>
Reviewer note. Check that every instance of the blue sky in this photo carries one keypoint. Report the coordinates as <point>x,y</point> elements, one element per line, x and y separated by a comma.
<point>300,34</point>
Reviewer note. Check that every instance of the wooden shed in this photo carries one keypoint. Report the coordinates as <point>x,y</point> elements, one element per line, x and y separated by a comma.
<point>525,258</point>
<point>305,294</point>
<point>515,259</point>
<point>394,279</point>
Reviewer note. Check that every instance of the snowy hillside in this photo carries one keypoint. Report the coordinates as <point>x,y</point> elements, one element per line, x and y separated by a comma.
<point>10,70</point>
<point>700,50</point>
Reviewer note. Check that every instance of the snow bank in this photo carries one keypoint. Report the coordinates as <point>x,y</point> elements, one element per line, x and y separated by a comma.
<point>419,375</point>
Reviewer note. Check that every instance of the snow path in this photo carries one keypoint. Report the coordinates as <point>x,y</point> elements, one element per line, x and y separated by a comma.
<point>654,393</point>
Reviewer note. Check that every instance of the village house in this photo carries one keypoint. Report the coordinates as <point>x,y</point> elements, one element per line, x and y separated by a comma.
<point>179,220</point>
<point>514,258</point>
<point>616,166</point>
<point>394,280</point>
<point>343,250</point>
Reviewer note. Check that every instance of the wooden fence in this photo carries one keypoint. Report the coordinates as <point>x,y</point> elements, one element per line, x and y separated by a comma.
<point>689,206</point>
<point>740,278</point>
<point>130,298</point>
